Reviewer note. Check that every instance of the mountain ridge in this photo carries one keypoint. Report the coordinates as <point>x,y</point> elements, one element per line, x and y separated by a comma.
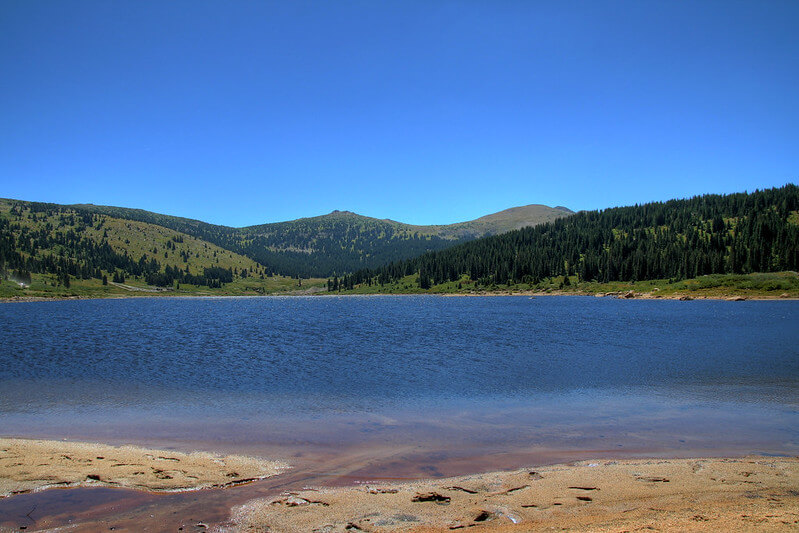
<point>336,212</point>
<point>319,246</point>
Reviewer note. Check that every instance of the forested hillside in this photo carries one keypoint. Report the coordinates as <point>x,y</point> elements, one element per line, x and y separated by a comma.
<point>320,246</point>
<point>678,239</point>
<point>710,234</point>
<point>338,242</point>
<point>68,244</point>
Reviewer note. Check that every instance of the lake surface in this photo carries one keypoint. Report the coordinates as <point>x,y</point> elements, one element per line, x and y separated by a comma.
<point>281,368</point>
<point>397,387</point>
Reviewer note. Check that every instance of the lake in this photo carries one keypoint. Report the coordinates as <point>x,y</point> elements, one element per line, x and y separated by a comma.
<point>351,388</point>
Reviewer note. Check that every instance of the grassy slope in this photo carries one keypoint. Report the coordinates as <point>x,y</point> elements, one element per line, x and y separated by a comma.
<point>142,238</point>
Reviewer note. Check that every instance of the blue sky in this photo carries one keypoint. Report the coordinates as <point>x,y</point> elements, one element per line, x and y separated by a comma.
<point>425,112</point>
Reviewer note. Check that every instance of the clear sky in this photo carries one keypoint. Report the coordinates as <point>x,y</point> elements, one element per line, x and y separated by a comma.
<point>244,112</point>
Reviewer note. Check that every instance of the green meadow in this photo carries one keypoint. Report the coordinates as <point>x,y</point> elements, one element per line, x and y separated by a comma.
<point>758,285</point>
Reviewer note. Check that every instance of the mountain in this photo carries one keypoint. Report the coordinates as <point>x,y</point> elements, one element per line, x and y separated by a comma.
<point>338,242</point>
<point>343,241</point>
<point>86,240</point>
<point>496,223</point>
<point>711,234</point>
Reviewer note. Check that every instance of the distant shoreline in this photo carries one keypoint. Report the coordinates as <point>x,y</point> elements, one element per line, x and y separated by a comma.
<point>613,295</point>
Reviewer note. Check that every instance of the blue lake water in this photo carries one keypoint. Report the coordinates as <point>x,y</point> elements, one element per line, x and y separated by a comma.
<point>483,376</point>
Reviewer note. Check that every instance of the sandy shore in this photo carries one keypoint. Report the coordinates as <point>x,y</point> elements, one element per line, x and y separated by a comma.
<point>30,465</point>
<point>748,494</point>
<point>726,494</point>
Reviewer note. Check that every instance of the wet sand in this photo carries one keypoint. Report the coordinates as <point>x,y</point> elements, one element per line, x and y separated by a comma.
<point>341,493</point>
<point>30,465</point>
<point>747,494</point>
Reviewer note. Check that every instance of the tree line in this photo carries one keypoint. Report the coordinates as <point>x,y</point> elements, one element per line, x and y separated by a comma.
<point>677,239</point>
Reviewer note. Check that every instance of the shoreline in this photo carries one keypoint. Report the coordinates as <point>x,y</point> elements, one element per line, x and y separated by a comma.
<point>625,295</point>
<point>759,493</point>
<point>619,295</point>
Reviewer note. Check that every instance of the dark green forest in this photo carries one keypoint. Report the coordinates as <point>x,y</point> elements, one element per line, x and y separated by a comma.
<point>677,239</point>
<point>336,243</point>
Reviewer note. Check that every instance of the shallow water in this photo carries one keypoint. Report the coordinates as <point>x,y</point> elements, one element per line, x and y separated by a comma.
<point>395,387</point>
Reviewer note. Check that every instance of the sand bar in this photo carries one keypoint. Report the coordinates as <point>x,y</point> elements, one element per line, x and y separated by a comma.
<point>747,494</point>
<point>29,465</point>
